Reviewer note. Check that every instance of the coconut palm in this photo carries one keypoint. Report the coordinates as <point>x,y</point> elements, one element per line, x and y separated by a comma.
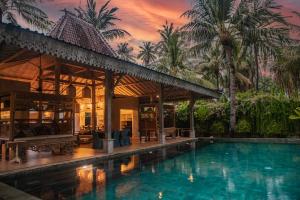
<point>171,50</point>
<point>266,33</point>
<point>27,10</point>
<point>216,21</point>
<point>147,53</point>
<point>286,69</point>
<point>104,19</point>
<point>212,65</point>
<point>124,52</point>
<point>228,22</point>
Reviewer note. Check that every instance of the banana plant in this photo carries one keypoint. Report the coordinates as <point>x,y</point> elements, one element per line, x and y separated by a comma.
<point>297,114</point>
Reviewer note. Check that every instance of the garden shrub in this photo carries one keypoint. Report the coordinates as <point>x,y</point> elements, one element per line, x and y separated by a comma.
<point>260,114</point>
<point>217,128</point>
<point>243,126</point>
<point>273,128</point>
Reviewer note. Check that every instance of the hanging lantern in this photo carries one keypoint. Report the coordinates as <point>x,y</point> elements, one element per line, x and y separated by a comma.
<point>86,92</point>
<point>71,90</point>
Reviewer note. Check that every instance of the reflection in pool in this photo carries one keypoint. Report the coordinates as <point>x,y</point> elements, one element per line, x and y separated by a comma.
<point>212,171</point>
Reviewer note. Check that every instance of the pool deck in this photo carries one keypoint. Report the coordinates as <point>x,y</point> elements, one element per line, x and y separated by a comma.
<point>9,193</point>
<point>43,161</point>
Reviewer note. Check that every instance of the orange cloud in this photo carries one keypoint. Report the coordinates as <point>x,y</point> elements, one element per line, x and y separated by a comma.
<point>142,18</point>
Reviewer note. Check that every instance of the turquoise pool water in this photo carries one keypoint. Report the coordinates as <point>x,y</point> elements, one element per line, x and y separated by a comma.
<point>242,171</point>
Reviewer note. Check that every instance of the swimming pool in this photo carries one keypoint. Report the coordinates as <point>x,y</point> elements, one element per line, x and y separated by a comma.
<point>211,171</point>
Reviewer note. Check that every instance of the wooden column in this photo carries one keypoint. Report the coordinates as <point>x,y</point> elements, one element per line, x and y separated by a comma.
<point>12,116</point>
<point>40,89</point>
<point>108,142</point>
<point>192,122</point>
<point>94,114</point>
<point>56,91</point>
<point>161,134</point>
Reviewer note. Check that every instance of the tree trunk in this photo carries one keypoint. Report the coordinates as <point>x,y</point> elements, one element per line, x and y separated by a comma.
<point>218,86</point>
<point>257,67</point>
<point>1,16</point>
<point>232,90</point>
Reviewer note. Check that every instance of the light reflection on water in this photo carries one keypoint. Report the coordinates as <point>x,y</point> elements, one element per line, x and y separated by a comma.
<point>216,171</point>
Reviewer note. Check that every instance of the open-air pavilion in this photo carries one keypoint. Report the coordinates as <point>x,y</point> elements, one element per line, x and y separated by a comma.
<point>54,86</point>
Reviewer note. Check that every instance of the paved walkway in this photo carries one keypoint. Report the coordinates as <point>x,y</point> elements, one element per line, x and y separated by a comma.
<point>40,161</point>
<point>10,193</point>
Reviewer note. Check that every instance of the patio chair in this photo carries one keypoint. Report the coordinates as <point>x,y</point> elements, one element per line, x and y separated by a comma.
<point>97,142</point>
<point>116,137</point>
<point>125,137</point>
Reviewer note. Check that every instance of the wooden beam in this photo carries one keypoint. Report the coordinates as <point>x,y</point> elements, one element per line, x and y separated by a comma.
<point>118,80</point>
<point>15,78</point>
<point>67,82</point>
<point>134,83</point>
<point>12,57</point>
<point>67,71</point>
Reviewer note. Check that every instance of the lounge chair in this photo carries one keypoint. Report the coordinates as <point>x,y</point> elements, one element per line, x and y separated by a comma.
<point>125,137</point>
<point>116,137</point>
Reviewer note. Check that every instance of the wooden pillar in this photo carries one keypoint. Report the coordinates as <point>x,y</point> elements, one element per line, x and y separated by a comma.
<point>12,116</point>
<point>108,142</point>
<point>56,91</point>
<point>3,151</point>
<point>40,89</point>
<point>94,114</point>
<point>192,122</point>
<point>161,133</point>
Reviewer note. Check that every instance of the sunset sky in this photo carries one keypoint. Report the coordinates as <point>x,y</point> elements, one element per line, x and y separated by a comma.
<point>142,18</point>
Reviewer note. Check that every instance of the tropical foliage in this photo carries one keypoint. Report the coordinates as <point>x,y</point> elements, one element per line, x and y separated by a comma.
<point>296,116</point>
<point>27,10</point>
<point>170,50</point>
<point>104,19</point>
<point>147,53</point>
<point>238,27</point>
<point>286,69</point>
<point>125,52</point>
<point>259,115</point>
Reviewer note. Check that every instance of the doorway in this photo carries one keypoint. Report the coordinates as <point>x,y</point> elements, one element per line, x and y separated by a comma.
<point>126,119</point>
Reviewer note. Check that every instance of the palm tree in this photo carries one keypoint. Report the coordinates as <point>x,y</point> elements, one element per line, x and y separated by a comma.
<point>265,34</point>
<point>27,10</point>
<point>171,50</point>
<point>286,70</point>
<point>216,21</point>
<point>124,52</point>
<point>147,53</point>
<point>103,20</point>
<point>212,65</point>
<point>229,22</point>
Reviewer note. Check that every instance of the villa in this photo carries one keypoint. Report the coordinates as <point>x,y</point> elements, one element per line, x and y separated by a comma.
<point>69,87</point>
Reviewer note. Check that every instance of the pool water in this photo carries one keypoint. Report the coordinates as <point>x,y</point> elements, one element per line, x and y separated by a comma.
<point>214,171</point>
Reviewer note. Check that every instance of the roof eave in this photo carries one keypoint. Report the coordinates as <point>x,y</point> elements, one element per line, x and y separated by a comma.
<point>43,44</point>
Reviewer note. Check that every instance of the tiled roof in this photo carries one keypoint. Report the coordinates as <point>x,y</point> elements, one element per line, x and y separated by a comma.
<point>76,31</point>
